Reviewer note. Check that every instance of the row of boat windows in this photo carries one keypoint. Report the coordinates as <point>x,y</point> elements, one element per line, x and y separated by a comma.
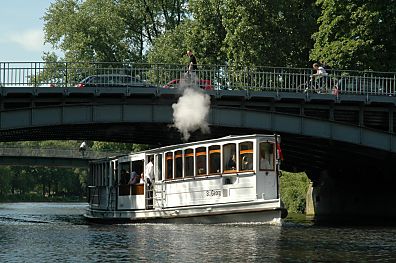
<point>201,161</point>
<point>216,159</point>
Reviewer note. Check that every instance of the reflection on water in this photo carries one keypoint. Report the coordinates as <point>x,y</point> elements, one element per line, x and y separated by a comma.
<point>47,232</point>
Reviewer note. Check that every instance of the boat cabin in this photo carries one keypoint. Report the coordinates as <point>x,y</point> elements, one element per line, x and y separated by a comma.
<point>218,171</point>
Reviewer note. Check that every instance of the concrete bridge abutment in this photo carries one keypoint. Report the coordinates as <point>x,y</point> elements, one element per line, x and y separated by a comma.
<point>359,194</point>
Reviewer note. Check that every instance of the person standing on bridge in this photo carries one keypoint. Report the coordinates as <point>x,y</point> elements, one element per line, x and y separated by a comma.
<point>83,148</point>
<point>192,65</point>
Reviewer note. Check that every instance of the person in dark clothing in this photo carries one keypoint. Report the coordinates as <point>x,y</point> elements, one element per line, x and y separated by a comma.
<point>231,165</point>
<point>124,177</point>
<point>192,65</point>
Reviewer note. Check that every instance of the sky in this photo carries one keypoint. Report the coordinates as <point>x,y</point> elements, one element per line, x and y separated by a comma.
<point>21,30</point>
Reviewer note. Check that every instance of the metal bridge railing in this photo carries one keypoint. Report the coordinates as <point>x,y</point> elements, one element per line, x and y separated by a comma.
<point>217,77</point>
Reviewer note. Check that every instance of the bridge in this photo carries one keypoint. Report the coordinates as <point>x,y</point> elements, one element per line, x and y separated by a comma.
<point>50,157</point>
<point>340,132</point>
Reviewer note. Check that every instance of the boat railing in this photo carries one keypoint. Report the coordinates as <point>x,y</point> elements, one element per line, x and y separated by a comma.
<point>210,77</point>
<point>94,196</point>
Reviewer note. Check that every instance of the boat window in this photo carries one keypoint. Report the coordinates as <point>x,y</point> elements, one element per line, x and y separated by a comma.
<point>169,165</point>
<point>189,163</point>
<point>246,156</point>
<point>112,173</point>
<point>158,165</point>
<point>200,159</point>
<point>115,167</point>
<point>138,167</point>
<point>105,174</point>
<point>124,172</point>
<point>214,159</point>
<point>178,164</point>
<point>267,156</point>
<point>97,175</point>
<point>93,182</point>
<point>229,158</point>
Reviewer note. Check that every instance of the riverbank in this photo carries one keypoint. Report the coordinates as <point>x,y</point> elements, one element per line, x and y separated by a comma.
<point>39,198</point>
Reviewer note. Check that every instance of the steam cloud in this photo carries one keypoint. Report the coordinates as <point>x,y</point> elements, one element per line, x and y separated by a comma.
<point>191,111</point>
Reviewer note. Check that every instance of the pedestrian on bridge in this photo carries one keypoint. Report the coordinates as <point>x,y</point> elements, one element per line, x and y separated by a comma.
<point>192,65</point>
<point>83,148</point>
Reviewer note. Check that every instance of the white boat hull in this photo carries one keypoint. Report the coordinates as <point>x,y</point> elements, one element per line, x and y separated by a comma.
<point>269,212</point>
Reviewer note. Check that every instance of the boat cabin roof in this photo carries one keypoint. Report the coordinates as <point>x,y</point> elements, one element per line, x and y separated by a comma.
<point>212,141</point>
<point>141,155</point>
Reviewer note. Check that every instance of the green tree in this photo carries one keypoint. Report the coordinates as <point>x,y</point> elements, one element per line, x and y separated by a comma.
<point>275,33</point>
<point>356,34</point>
<point>171,46</point>
<point>5,180</point>
<point>119,147</point>
<point>206,32</point>
<point>108,30</point>
<point>86,30</point>
<point>293,188</point>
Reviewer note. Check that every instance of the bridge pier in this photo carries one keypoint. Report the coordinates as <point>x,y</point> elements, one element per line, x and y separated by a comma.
<point>364,194</point>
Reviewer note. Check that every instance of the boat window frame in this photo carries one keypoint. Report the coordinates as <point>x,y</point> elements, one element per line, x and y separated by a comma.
<point>198,162</point>
<point>211,151</point>
<point>158,167</point>
<point>227,156</point>
<point>168,155</point>
<point>178,154</point>
<point>272,158</point>
<point>247,154</point>
<point>188,154</point>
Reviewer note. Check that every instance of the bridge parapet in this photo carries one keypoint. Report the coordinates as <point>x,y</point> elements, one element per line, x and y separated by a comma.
<point>55,153</point>
<point>217,77</point>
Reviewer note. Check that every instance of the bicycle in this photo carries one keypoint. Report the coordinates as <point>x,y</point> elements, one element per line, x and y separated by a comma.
<point>319,85</point>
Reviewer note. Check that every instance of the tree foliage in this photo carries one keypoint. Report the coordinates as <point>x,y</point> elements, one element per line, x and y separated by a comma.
<point>293,188</point>
<point>356,34</point>
<point>108,30</point>
<point>273,33</point>
<point>44,181</point>
<point>49,181</point>
<point>343,34</point>
<point>119,147</point>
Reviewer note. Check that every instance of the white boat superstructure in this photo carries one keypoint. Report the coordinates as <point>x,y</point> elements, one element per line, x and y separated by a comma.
<point>225,180</point>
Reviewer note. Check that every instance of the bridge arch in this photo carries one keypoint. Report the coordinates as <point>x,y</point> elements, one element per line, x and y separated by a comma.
<point>12,121</point>
<point>304,138</point>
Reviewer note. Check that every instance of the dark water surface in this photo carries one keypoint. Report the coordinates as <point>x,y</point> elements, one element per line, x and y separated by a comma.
<point>57,232</point>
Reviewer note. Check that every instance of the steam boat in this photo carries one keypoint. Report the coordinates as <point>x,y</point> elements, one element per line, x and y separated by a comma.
<point>226,180</point>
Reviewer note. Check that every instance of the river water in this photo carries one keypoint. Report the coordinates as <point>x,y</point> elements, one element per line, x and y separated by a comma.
<point>57,232</point>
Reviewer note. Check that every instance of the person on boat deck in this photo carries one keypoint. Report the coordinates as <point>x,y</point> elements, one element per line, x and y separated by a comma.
<point>265,161</point>
<point>149,171</point>
<point>141,179</point>
<point>135,178</point>
<point>265,164</point>
<point>231,165</point>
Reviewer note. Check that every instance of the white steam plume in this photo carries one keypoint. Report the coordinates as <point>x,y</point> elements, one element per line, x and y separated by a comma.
<point>191,111</point>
